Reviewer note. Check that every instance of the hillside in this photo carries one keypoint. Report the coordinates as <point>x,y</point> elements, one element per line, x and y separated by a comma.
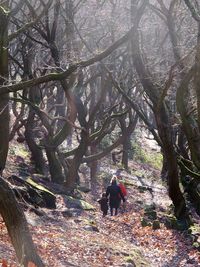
<point>75,234</point>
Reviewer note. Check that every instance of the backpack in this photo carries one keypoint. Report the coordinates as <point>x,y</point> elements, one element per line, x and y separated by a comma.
<point>123,189</point>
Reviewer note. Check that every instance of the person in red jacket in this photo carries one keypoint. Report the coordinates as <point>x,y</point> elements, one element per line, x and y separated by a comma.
<point>122,186</point>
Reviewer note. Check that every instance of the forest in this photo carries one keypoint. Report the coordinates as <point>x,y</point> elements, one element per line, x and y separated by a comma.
<point>89,88</point>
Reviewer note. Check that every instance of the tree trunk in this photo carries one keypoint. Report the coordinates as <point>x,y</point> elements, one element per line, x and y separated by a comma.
<point>73,177</point>
<point>164,130</point>
<point>164,170</point>
<point>165,133</point>
<point>17,227</point>
<point>55,167</point>
<point>126,146</point>
<point>4,109</point>
<point>36,152</point>
<point>189,122</point>
<point>93,167</point>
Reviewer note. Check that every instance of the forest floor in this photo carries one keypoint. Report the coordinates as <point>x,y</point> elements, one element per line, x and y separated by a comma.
<point>84,238</point>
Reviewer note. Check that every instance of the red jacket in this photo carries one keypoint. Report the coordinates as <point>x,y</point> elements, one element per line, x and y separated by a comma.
<point>123,189</point>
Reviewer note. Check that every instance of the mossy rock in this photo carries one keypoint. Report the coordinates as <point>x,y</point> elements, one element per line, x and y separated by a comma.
<point>137,259</point>
<point>145,222</point>
<point>78,203</point>
<point>139,202</point>
<point>196,245</point>
<point>149,207</point>
<point>91,226</point>
<point>156,225</point>
<point>38,186</point>
<point>129,260</point>
<point>143,189</point>
<point>194,230</point>
<point>84,189</point>
<point>36,194</point>
<point>151,214</point>
<point>172,223</point>
<point>77,194</point>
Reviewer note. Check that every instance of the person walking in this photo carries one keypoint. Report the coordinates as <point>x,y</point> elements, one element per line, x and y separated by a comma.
<point>115,195</point>
<point>103,201</point>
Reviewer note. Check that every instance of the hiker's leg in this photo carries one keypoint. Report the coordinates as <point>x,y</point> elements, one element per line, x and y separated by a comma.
<point>104,213</point>
<point>115,211</point>
<point>111,211</point>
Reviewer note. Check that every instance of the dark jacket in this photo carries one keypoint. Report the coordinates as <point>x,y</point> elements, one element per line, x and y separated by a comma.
<point>115,194</point>
<point>103,204</point>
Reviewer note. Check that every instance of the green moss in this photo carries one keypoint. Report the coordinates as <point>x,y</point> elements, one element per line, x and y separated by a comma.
<point>156,225</point>
<point>137,258</point>
<point>38,186</point>
<point>150,157</point>
<point>196,245</point>
<point>129,259</point>
<point>173,223</point>
<point>194,229</point>
<point>21,151</point>
<point>144,222</point>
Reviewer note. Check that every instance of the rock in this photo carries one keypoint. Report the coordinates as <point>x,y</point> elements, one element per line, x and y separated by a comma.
<point>196,245</point>
<point>145,223</point>
<point>67,213</point>
<point>91,228</point>
<point>172,223</point>
<point>77,203</point>
<point>130,262</point>
<point>142,189</point>
<point>194,234</point>
<point>149,207</point>
<point>129,265</point>
<point>35,194</point>
<point>151,214</point>
<point>156,225</point>
<point>77,220</point>
<point>75,212</point>
<point>84,189</point>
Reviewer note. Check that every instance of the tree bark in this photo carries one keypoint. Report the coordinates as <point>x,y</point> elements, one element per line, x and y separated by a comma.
<point>17,227</point>
<point>164,130</point>
<point>36,152</point>
<point>55,167</point>
<point>4,109</point>
<point>73,177</point>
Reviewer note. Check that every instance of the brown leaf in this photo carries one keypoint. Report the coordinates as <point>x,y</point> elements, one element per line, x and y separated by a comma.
<point>4,263</point>
<point>31,264</point>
